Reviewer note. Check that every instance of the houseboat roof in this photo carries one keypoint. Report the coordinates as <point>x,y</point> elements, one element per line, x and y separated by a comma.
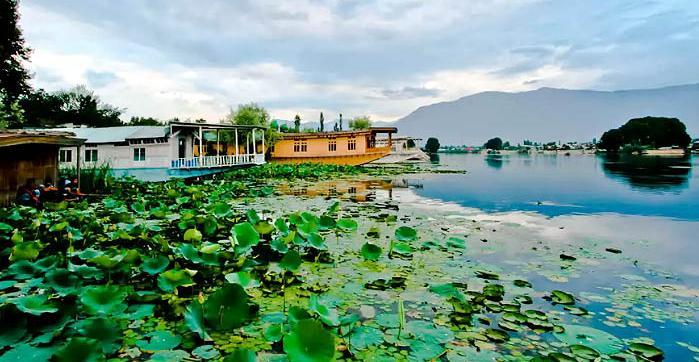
<point>14,137</point>
<point>115,134</point>
<point>209,126</point>
<point>333,134</point>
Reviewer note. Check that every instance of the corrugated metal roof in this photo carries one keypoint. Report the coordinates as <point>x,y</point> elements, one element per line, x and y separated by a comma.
<point>115,134</point>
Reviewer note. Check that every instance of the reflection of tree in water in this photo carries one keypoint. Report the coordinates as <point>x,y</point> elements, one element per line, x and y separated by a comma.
<point>658,173</point>
<point>494,161</point>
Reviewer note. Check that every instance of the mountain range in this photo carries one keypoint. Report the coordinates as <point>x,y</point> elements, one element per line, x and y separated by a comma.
<point>547,114</point>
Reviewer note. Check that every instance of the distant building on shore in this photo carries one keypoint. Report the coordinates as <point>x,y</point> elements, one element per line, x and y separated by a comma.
<point>339,147</point>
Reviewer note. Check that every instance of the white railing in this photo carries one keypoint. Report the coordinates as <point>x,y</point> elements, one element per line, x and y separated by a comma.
<point>217,161</point>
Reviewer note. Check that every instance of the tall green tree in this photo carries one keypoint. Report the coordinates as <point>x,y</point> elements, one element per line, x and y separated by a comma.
<point>494,144</point>
<point>432,145</point>
<point>144,121</point>
<point>252,114</point>
<point>651,132</point>
<point>13,76</point>
<point>361,122</point>
<point>297,123</point>
<point>10,112</point>
<point>322,122</point>
<point>78,105</point>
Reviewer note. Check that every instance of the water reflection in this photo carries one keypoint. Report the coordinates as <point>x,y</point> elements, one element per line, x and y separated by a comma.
<point>557,185</point>
<point>656,173</point>
<point>353,190</point>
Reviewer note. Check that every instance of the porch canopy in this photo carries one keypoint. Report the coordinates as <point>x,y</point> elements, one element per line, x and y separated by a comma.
<point>220,137</point>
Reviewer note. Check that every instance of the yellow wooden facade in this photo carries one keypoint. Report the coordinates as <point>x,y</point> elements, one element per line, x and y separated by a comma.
<point>339,148</point>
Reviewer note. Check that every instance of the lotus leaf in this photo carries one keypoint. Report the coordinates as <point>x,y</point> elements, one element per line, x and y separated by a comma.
<point>26,250</point>
<point>104,299</point>
<point>647,351</point>
<point>35,304</point>
<point>347,224</point>
<point>155,265</point>
<point>327,315</point>
<point>159,340</point>
<point>317,241</point>
<point>561,297</point>
<point>26,353</point>
<point>170,280</point>
<point>194,318</point>
<point>405,233</point>
<point>291,261</point>
<point>241,355</point>
<point>245,279</point>
<point>79,349</point>
<point>62,281</point>
<point>308,341</point>
<point>206,351</point>
<point>192,235</point>
<point>106,331</point>
<point>596,339</point>
<point>228,308</point>
<point>246,236</point>
<point>371,251</point>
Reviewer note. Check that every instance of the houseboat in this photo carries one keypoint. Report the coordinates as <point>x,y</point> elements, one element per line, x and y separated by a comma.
<point>403,149</point>
<point>156,153</point>
<point>355,147</point>
<point>30,157</point>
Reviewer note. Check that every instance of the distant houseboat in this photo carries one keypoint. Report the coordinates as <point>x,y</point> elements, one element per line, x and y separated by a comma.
<point>154,153</point>
<point>340,148</point>
<point>403,149</point>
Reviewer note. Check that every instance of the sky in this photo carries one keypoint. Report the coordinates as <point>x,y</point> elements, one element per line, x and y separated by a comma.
<point>381,58</point>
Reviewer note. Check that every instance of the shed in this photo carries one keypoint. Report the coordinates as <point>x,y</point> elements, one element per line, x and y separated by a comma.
<point>29,155</point>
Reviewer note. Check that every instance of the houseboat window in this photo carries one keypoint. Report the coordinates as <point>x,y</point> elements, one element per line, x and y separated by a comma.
<point>65,156</point>
<point>300,146</point>
<point>332,145</point>
<point>139,154</point>
<point>90,155</point>
<point>352,144</point>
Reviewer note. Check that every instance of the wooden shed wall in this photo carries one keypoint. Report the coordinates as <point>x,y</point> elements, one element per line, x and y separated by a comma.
<point>23,162</point>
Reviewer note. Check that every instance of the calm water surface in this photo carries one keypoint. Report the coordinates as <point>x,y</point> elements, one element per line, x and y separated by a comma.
<point>648,206</point>
<point>579,184</point>
<point>519,213</point>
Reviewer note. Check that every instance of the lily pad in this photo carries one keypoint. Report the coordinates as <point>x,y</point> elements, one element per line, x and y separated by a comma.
<point>596,339</point>
<point>246,236</point>
<point>406,233</point>
<point>371,251</point>
<point>347,224</point>
<point>245,279</point>
<point>155,265</point>
<point>308,341</point>
<point>290,261</point>
<point>105,299</point>
<point>79,349</point>
<point>646,350</point>
<point>159,340</point>
<point>170,280</point>
<point>228,308</point>
<point>35,304</point>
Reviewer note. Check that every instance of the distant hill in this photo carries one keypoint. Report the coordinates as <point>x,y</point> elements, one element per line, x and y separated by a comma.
<point>548,114</point>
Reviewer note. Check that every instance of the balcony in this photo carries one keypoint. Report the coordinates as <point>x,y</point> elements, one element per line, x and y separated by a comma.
<point>217,161</point>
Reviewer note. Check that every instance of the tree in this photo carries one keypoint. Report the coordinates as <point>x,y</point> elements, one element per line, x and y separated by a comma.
<point>432,145</point>
<point>322,122</point>
<point>144,121</point>
<point>252,114</point>
<point>297,123</point>
<point>339,127</point>
<point>10,112</point>
<point>361,122</point>
<point>651,132</point>
<point>249,115</point>
<point>13,76</point>
<point>494,144</point>
<point>78,105</point>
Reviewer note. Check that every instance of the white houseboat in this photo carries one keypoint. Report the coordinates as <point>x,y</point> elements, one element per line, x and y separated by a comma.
<point>403,149</point>
<point>178,149</point>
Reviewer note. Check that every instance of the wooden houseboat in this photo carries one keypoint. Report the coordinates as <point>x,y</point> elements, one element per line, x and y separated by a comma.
<point>355,147</point>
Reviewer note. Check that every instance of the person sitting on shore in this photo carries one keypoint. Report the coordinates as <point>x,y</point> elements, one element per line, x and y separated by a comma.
<point>27,194</point>
<point>71,190</point>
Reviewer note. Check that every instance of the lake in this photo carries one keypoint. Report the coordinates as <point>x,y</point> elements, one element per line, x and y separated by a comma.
<point>579,184</point>
<point>619,233</point>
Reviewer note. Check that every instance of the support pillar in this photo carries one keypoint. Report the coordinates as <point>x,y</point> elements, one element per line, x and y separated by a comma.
<point>236,146</point>
<point>201,147</point>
